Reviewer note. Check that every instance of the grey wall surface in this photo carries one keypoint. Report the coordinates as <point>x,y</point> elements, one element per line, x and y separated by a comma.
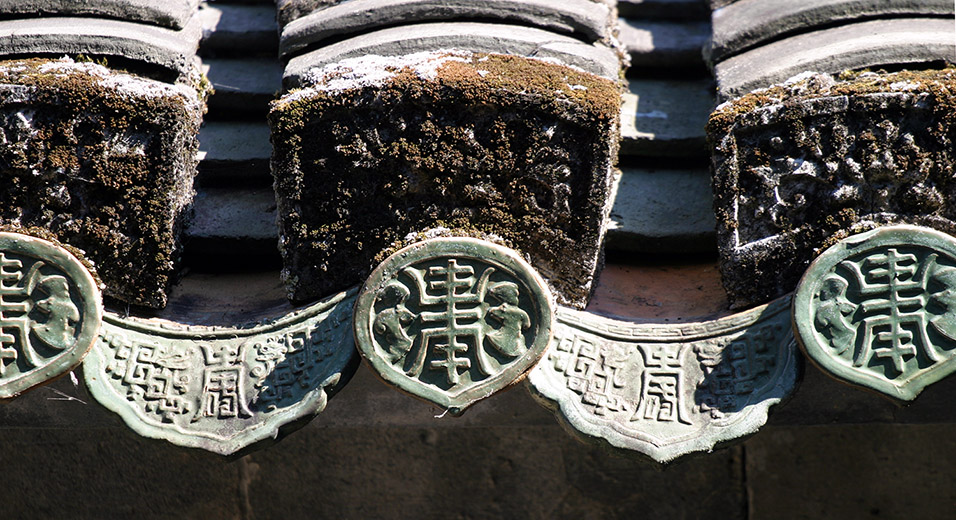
<point>376,453</point>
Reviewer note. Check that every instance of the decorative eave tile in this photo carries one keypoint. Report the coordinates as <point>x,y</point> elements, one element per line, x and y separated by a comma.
<point>667,390</point>
<point>878,310</point>
<point>223,389</point>
<point>453,320</point>
<point>50,312</point>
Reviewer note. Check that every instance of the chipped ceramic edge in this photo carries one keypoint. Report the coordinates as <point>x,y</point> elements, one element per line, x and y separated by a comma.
<point>346,363</point>
<point>746,422</point>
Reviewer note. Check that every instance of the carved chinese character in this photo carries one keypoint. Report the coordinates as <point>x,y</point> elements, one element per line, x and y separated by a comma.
<point>668,390</point>
<point>877,309</point>
<point>223,389</point>
<point>453,320</point>
<point>49,312</point>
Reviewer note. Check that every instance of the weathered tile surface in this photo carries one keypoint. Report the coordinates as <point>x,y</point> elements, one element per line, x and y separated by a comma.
<point>664,44</point>
<point>743,25</point>
<point>664,9</point>
<point>243,86</point>
<point>800,163</point>
<point>173,51</point>
<point>247,30</point>
<point>904,41</point>
<point>519,148</point>
<point>231,214</point>
<point>467,36</point>
<point>662,210</point>
<point>666,118</point>
<point>104,161</point>
<point>587,19</point>
<point>235,150</point>
<point>174,14</point>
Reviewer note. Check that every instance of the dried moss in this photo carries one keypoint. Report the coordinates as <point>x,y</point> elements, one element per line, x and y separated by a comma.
<point>45,234</point>
<point>101,169</point>
<point>799,166</point>
<point>496,145</point>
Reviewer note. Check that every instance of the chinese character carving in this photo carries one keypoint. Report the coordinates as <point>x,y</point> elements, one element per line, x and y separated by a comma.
<point>668,390</point>
<point>877,309</point>
<point>663,397</point>
<point>222,389</point>
<point>453,320</point>
<point>49,312</point>
<point>732,372</point>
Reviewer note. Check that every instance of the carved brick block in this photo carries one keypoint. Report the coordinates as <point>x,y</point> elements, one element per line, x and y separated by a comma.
<point>798,166</point>
<point>102,160</point>
<point>382,147</point>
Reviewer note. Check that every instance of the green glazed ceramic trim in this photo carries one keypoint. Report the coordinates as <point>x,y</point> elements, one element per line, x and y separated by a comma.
<point>223,389</point>
<point>453,320</point>
<point>878,310</point>
<point>49,312</point>
<point>667,390</point>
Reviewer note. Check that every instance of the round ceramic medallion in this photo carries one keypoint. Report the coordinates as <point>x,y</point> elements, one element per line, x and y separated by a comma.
<point>879,309</point>
<point>50,311</point>
<point>453,320</point>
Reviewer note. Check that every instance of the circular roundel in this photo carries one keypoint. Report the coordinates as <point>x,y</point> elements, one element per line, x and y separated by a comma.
<point>453,320</point>
<point>50,312</point>
<point>879,309</point>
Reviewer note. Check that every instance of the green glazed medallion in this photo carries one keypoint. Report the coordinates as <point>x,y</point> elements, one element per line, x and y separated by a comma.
<point>49,312</point>
<point>453,320</point>
<point>879,310</point>
<point>223,389</point>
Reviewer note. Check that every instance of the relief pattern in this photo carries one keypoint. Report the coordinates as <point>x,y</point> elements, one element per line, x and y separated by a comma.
<point>456,319</point>
<point>223,389</point>
<point>879,309</point>
<point>667,390</point>
<point>49,312</point>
